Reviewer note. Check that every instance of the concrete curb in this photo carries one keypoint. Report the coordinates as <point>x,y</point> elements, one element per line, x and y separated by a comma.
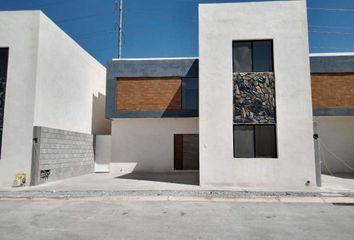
<point>201,196</point>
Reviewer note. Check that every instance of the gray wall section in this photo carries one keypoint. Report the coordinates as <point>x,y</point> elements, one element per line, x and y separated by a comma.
<point>147,68</point>
<point>332,64</point>
<point>59,154</point>
<point>333,112</point>
<point>153,68</point>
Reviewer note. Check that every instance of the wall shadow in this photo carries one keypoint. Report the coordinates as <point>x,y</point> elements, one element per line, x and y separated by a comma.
<point>100,125</point>
<point>188,178</point>
<point>341,175</point>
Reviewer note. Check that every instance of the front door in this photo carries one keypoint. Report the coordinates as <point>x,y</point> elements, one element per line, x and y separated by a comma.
<point>186,152</point>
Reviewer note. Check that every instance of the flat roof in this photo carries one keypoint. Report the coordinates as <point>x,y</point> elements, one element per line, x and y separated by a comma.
<point>154,59</point>
<point>335,62</point>
<point>331,54</point>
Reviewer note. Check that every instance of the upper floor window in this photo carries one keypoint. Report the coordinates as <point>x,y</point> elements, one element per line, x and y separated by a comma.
<point>190,94</point>
<point>253,56</point>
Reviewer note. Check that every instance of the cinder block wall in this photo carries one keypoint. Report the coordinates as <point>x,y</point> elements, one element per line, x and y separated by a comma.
<point>59,154</point>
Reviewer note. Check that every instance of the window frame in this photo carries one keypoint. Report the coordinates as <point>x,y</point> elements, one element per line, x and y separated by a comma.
<point>252,53</point>
<point>254,126</point>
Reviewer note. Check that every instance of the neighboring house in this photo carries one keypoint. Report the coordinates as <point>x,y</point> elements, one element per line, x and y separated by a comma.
<point>52,101</point>
<point>241,114</point>
<point>333,103</point>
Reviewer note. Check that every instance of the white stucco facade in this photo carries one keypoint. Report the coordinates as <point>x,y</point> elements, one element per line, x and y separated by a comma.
<point>52,82</point>
<point>219,25</point>
<point>336,140</point>
<point>147,144</point>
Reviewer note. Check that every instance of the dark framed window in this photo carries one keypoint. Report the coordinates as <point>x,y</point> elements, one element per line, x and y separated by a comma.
<point>4,57</point>
<point>253,56</point>
<point>190,93</point>
<point>255,141</point>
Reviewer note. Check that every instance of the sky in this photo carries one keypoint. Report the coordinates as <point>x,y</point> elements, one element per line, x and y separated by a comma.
<point>169,28</point>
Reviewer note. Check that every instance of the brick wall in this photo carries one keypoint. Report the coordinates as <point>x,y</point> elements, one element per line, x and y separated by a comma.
<point>148,94</point>
<point>333,90</point>
<point>59,154</point>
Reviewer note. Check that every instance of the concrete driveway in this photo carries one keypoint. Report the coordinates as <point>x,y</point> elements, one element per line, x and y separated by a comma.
<point>118,181</point>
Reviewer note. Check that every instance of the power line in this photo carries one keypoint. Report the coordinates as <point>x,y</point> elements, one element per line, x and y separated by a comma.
<point>328,47</point>
<point>332,9</point>
<point>328,32</point>
<point>83,17</point>
<point>334,27</point>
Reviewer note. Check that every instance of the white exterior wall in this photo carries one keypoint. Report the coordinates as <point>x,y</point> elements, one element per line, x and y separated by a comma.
<point>336,137</point>
<point>103,153</point>
<point>51,82</point>
<point>71,84</point>
<point>147,144</point>
<point>285,23</point>
<point>19,32</point>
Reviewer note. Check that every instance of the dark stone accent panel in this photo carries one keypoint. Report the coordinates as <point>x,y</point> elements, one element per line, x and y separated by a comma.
<point>254,98</point>
<point>59,154</point>
<point>4,56</point>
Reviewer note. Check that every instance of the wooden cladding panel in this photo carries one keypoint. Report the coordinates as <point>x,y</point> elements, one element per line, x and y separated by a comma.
<point>148,94</point>
<point>332,90</point>
<point>186,152</point>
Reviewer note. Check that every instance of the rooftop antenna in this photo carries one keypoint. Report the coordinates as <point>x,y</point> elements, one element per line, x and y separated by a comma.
<point>120,27</point>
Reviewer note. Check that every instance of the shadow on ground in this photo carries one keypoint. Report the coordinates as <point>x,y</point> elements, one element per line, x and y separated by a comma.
<point>188,178</point>
<point>340,175</point>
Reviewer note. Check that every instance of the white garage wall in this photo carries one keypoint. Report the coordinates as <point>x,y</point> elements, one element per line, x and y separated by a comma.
<point>71,84</point>
<point>147,144</point>
<point>52,82</point>
<point>336,137</point>
<point>19,32</point>
<point>286,23</point>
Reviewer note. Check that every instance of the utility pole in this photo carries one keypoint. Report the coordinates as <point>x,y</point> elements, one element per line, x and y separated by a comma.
<point>120,30</point>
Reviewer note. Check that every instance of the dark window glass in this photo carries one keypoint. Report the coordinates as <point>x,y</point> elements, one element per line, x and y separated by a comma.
<point>3,62</point>
<point>242,56</point>
<point>262,56</point>
<point>4,55</point>
<point>244,141</point>
<point>255,141</point>
<point>253,56</point>
<point>189,93</point>
<point>265,141</point>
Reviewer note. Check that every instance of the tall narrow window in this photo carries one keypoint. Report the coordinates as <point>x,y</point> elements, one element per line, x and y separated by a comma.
<point>254,112</point>
<point>4,56</point>
<point>190,93</point>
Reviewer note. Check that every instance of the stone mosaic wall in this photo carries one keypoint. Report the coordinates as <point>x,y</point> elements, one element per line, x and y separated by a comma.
<point>254,98</point>
<point>59,154</point>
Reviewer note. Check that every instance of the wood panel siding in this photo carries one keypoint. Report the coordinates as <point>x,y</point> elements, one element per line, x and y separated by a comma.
<point>148,94</point>
<point>332,90</point>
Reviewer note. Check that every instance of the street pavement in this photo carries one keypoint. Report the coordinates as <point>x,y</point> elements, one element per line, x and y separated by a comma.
<point>116,219</point>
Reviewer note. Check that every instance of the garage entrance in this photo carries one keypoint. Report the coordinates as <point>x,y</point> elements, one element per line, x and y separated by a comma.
<point>186,152</point>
